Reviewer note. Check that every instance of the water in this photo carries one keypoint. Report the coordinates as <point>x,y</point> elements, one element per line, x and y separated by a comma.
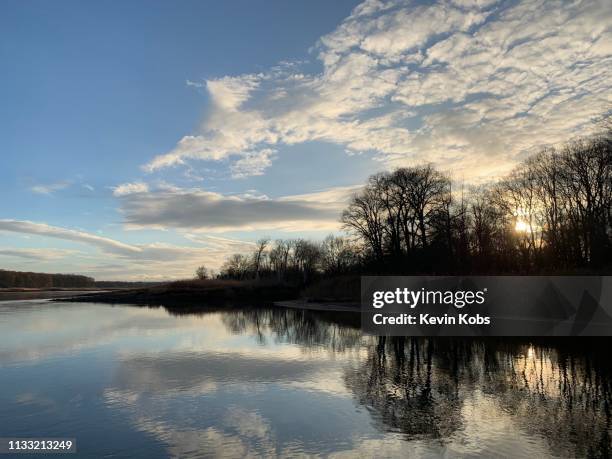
<point>143,382</point>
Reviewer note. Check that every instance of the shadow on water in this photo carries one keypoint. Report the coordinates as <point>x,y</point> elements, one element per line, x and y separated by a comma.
<point>557,389</point>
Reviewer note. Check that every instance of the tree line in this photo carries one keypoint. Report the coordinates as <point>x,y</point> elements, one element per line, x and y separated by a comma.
<point>21,279</point>
<point>551,214</point>
<point>297,260</point>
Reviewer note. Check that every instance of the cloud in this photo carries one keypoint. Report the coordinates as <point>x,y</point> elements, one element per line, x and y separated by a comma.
<point>130,188</point>
<point>220,242</point>
<point>253,163</point>
<point>126,261</point>
<point>197,209</point>
<point>42,229</point>
<point>49,188</point>
<point>338,196</point>
<point>466,84</point>
<point>35,254</point>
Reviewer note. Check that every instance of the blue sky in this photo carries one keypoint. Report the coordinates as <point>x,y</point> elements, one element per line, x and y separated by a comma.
<point>140,139</point>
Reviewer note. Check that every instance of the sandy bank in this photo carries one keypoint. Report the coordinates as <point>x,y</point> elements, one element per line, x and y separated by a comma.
<point>313,306</point>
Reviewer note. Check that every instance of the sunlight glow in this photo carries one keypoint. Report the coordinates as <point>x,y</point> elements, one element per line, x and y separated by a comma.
<point>521,226</point>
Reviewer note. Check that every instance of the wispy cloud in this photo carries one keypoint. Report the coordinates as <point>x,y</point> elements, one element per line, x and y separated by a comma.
<point>219,242</point>
<point>42,229</point>
<point>50,188</point>
<point>121,260</point>
<point>35,254</point>
<point>470,85</point>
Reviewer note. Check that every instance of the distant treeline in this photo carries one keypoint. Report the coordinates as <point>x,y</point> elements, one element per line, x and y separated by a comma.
<point>296,260</point>
<point>124,284</point>
<point>552,214</point>
<point>43,280</point>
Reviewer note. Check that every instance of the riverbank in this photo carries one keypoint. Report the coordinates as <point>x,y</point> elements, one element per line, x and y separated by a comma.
<point>195,293</point>
<point>319,306</point>
<point>17,294</point>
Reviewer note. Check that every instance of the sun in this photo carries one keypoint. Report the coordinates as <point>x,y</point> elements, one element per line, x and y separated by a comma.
<point>521,226</point>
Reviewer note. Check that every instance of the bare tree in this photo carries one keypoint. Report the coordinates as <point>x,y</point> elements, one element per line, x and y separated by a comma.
<point>338,254</point>
<point>237,266</point>
<point>279,257</point>
<point>365,217</point>
<point>202,273</point>
<point>259,254</point>
<point>307,255</point>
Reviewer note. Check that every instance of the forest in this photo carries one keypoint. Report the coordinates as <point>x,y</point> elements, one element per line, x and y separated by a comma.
<point>21,279</point>
<point>551,215</point>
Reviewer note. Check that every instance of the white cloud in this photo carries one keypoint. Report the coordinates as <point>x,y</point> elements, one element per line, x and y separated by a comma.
<point>469,85</point>
<point>253,163</point>
<point>229,92</point>
<point>130,188</point>
<point>49,188</point>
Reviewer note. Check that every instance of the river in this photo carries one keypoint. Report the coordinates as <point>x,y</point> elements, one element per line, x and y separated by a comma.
<point>141,382</point>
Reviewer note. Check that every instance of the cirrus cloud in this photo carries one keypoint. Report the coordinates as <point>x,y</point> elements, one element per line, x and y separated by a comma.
<point>49,189</point>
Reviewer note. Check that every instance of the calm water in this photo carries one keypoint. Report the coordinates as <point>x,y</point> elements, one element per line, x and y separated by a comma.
<point>139,382</point>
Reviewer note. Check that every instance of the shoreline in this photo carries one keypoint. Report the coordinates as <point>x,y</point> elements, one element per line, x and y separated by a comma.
<point>190,295</point>
<point>16,294</point>
<point>319,306</point>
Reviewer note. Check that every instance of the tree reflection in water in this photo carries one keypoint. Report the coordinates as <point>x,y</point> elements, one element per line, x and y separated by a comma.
<point>559,389</point>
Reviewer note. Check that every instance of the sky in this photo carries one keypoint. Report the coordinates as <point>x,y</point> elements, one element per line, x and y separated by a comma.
<point>141,139</point>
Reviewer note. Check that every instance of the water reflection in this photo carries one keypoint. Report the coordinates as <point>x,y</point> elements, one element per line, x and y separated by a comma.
<point>425,387</point>
<point>335,331</point>
<point>559,390</point>
<point>282,382</point>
